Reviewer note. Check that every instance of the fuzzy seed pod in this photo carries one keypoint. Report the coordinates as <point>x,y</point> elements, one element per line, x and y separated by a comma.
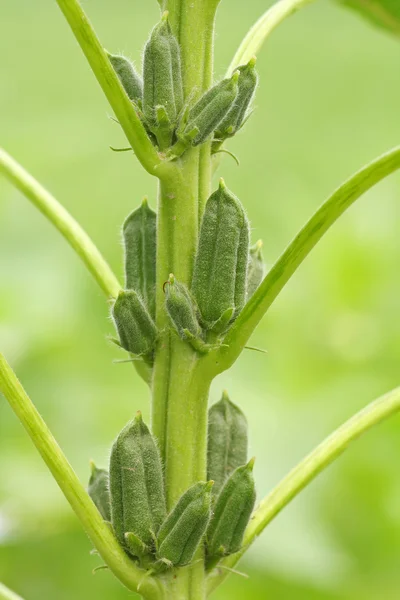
<point>136,329</point>
<point>136,486</point>
<point>181,309</point>
<point>220,269</point>
<point>236,116</point>
<point>131,81</point>
<point>209,111</point>
<point>227,441</point>
<point>232,512</point>
<point>256,271</point>
<point>139,234</point>
<point>181,533</point>
<point>162,82</point>
<point>98,490</point>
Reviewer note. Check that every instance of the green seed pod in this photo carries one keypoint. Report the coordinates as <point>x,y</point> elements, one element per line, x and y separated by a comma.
<point>131,81</point>
<point>220,269</point>
<point>181,309</point>
<point>209,111</point>
<point>181,533</point>
<point>98,490</point>
<point>236,116</point>
<point>136,485</point>
<point>139,234</point>
<point>136,329</point>
<point>256,270</point>
<point>227,441</point>
<point>162,81</point>
<point>232,512</point>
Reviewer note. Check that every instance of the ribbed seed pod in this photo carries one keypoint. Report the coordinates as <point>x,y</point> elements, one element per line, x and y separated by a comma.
<point>139,234</point>
<point>136,484</point>
<point>227,441</point>
<point>98,490</point>
<point>136,329</point>
<point>131,81</point>
<point>181,309</point>
<point>210,110</point>
<point>256,270</point>
<point>232,512</point>
<point>236,116</point>
<point>181,533</point>
<point>162,81</point>
<point>220,269</point>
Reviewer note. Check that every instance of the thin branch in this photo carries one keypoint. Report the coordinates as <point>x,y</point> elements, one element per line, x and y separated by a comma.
<point>62,220</point>
<point>320,458</point>
<point>296,252</point>
<point>7,594</point>
<point>265,25</point>
<point>111,86</point>
<point>90,518</point>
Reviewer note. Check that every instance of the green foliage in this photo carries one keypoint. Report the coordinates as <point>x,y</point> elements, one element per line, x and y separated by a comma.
<point>139,235</point>
<point>227,441</point>
<point>256,269</point>
<point>131,81</point>
<point>99,491</point>
<point>231,514</point>
<point>183,530</point>
<point>220,270</point>
<point>136,329</point>
<point>384,13</point>
<point>136,485</point>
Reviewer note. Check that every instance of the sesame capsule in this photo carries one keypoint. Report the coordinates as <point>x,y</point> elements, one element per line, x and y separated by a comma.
<point>131,81</point>
<point>136,329</point>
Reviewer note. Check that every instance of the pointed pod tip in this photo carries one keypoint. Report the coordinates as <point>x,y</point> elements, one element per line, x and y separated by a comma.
<point>164,16</point>
<point>259,244</point>
<point>209,485</point>
<point>145,202</point>
<point>222,184</point>
<point>250,464</point>
<point>252,61</point>
<point>171,278</point>
<point>225,395</point>
<point>92,466</point>
<point>235,76</point>
<point>139,417</point>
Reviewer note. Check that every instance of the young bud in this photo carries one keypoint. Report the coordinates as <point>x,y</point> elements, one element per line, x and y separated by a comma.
<point>181,533</point>
<point>98,490</point>
<point>220,269</point>
<point>181,309</point>
<point>236,116</point>
<point>139,234</point>
<point>227,441</point>
<point>131,81</point>
<point>162,82</point>
<point>136,486</point>
<point>232,512</point>
<point>136,329</point>
<point>256,270</point>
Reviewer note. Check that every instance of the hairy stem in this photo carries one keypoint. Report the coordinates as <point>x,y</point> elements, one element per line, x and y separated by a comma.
<point>90,518</point>
<point>62,220</point>
<point>320,458</point>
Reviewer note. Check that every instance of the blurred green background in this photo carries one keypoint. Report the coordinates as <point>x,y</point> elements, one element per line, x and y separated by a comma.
<point>328,102</point>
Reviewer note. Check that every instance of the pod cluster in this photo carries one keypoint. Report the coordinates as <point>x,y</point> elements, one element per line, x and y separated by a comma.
<point>212,514</point>
<point>226,273</point>
<point>173,122</point>
<point>131,497</point>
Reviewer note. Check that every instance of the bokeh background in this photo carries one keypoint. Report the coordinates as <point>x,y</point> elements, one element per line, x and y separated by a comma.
<point>328,102</point>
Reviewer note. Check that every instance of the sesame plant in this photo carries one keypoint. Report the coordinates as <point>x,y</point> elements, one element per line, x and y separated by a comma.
<point>174,511</point>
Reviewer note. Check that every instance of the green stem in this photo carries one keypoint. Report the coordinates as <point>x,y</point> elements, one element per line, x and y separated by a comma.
<point>62,220</point>
<point>320,458</point>
<point>90,518</point>
<point>296,252</point>
<point>265,25</point>
<point>6,594</point>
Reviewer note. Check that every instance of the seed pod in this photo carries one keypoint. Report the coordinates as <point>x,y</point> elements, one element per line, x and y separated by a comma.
<point>139,234</point>
<point>227,441</point>
<point>236,116</point>
<point>181,533</point>
<point>136,329</point>
<point>131,81</point>
<point>220,269</point>
<point>162,79</point>
<point>232,512</point>
<point>209,111</point>
<point>98,490</point>
<point>181,309</point>
<point>256,271</point>
<point>136,484</point>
